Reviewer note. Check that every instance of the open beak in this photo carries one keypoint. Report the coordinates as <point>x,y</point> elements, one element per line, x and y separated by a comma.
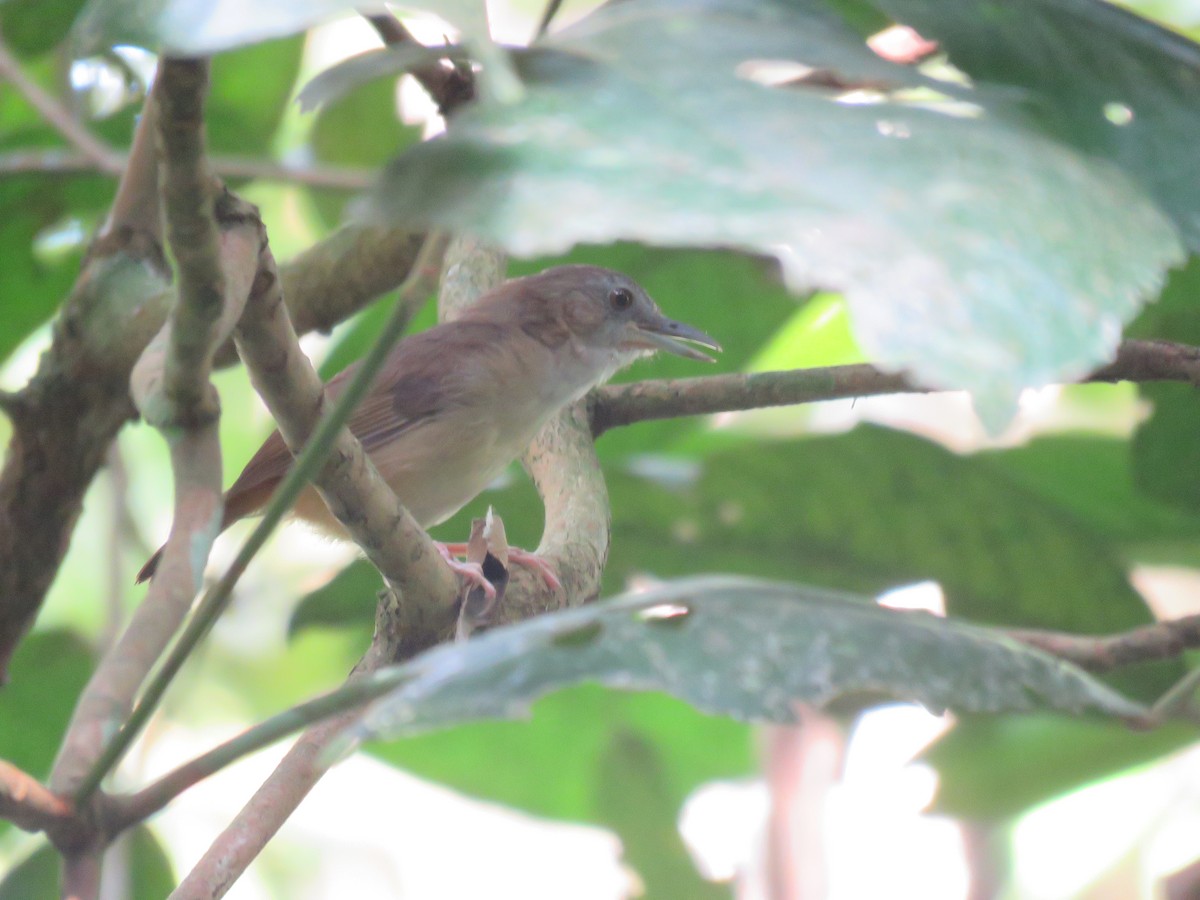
<point>666,334</point>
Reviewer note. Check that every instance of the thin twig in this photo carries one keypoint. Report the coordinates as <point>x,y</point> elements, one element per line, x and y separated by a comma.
<point>217,597</point>
<point>58,116</point>
<point>170,384</point>
<point>450,85</point>
<point>548,15</point>
<point>69,162</point>
<point>127,811</point>
<point>28,804</point>
<point>624,404</point>
<point>1162,640</point>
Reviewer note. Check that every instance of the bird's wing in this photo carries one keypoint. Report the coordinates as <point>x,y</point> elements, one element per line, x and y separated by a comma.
<point>382,416</point>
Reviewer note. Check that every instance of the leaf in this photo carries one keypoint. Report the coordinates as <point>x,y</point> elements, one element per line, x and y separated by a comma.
<point>1175,315</point>
<point>32,27</point>
<point>392,61</point>
<point>739,647</point>
<point>1092,479</point>
<point>972,249</point>
<point>644,814</point>
<point>349,599</point>
<point>249,95</point>
<point>874,509</point>
<point>49,671</point>
<point>370,115</point>
<point>997,768</point>
<point>200,28</point>
<point>1089,73</point>
<point>32,284</point>
<point>567,762</point>
<point>877,509</point>
<point>149,871</point>
<point>1166,447</point>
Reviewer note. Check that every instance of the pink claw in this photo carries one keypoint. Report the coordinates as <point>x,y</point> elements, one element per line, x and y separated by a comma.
<point>530,560</point>
<point>471,572</point>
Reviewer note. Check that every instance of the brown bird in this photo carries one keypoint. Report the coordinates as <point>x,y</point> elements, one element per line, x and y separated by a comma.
<point>454,405</point>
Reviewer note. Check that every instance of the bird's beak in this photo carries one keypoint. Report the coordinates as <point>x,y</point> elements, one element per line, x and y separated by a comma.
<point>662,333</point>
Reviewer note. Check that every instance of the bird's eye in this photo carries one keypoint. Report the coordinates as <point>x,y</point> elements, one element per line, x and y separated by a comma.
<point>620,298</point>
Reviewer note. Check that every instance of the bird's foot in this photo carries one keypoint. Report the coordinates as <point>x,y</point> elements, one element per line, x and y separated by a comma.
<point>471,572</point>
<point>531,560</point>
<point>516,556</point>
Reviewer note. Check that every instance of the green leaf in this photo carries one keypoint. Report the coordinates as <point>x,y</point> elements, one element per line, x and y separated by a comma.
<point>645,814</point>
<point>33,27</point>
<point>1092,479</point>
<point>975,251</point>
<point>1091,74</point>
<point>1175,315</point>
<point>872,510</point>
<point>996,768</point>
<point>369,114</point>
<point>48,673</point>
<point>1166,447</point>
<point>149,870</point>
<point>739,647</point>
<point>349,599</point>
<point>249,94</point>
<point>33,284</point>
<point>574,760</point>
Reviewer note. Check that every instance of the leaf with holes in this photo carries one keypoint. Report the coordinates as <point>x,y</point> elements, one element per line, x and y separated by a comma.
<point>738,647</point>
<point>973,249</point>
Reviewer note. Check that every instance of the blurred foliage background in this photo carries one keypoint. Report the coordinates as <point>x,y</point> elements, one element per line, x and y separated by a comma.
<point>1082,516</point>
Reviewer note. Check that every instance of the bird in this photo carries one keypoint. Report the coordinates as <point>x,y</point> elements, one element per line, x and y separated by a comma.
<point>454,405</point>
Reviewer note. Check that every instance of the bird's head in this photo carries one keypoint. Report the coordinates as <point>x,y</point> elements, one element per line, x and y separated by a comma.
<point>605,311</point>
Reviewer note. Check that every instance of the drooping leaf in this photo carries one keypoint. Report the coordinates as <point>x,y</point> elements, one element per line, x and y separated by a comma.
<point>973,250</point>
<point>738,647</point>
<point>392,61</point>
<point>875,509</point>
<point>1090,73</point>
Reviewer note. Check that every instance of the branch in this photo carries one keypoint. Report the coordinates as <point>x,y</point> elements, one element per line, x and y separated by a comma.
<point>125,812</point>
<point>70,411</point>
<point>355,492</point>
<point>1162,640</point>
<point>397,637</point>
<point>624,404</point>
<point>55,161</point>
<point>170,384</point>
<point>29,805</point>
<point>90,147</point>
<point>451,86</point>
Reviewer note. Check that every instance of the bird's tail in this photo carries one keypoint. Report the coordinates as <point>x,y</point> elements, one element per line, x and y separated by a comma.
<point>147,571</point>
<point>238,505</point>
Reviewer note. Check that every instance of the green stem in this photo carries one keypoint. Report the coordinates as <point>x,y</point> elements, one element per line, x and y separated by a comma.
<point>308,463</point>
<point>140,806</point>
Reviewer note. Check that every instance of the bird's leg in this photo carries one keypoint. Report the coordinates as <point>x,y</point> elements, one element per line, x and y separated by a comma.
<point>472,572</point>
<point>516,556</point>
